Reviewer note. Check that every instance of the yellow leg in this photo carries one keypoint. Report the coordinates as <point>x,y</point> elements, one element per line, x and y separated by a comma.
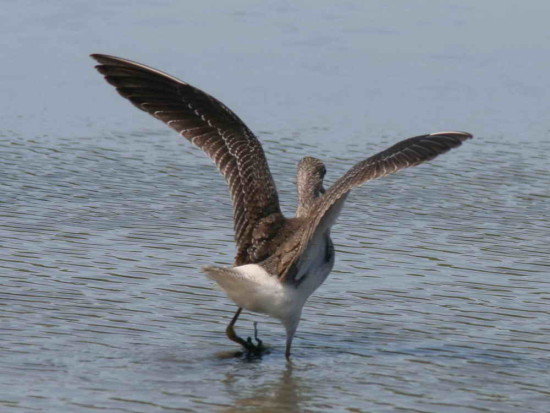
<point>247,344</point>
<point>230,331</point>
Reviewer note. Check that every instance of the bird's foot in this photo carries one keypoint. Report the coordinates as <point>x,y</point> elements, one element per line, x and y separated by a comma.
<point>254,349</point>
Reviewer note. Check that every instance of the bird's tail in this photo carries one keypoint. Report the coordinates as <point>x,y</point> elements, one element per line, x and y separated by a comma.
<point>249,286</point>
<point>226,277</point>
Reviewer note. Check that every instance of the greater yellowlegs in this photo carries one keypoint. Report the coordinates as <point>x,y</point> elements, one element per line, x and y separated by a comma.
<point>280,261</point>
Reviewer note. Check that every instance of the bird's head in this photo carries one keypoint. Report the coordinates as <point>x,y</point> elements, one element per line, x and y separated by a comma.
<point>311,172</point>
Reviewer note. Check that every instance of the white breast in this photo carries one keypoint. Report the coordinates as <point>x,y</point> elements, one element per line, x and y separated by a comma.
<point>313,267</point>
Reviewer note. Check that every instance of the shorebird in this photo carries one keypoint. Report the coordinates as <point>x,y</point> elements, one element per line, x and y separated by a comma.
<point>280,261</point>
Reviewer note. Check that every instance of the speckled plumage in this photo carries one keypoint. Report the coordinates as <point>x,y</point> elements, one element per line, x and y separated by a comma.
<point>209,124</point>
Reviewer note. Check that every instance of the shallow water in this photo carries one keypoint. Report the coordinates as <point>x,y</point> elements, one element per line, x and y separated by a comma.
<point>440,296</point>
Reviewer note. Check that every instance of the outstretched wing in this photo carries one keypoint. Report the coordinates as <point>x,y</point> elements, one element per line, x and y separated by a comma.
<point>409,152</point>
<point>210,125</point>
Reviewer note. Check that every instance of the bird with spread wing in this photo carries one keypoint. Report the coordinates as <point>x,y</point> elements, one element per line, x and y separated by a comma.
<point>280,261</point>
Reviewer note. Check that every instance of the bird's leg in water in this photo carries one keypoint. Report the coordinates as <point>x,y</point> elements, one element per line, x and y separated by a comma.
<point>260,342</point>
<point>255,348</point>
<point>247,344</point>
<point>230,331</point>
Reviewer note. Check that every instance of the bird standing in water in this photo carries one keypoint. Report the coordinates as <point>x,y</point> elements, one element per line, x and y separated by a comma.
<point>280,261</point>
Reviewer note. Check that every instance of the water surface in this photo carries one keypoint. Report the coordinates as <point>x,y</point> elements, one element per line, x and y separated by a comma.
<point>439,300</point>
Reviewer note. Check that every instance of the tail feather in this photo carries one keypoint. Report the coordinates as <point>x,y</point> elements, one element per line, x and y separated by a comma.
<point>249,286</point>
<point>226,277</point>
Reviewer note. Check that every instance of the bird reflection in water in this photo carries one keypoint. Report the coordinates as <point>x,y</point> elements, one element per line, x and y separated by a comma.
<point>283,395</point>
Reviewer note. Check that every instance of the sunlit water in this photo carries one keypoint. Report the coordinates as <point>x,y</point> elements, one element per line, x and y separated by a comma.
<point>439,300</point>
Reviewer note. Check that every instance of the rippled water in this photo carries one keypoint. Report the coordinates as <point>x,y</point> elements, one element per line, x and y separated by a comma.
<point>439,300</point>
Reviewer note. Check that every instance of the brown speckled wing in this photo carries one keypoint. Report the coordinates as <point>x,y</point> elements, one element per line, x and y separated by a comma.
<point>210,125</point>
<point>409,152</point>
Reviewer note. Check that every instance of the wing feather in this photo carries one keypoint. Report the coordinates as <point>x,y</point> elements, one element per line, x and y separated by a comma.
<point>409,152</point>
<point>210,125</point>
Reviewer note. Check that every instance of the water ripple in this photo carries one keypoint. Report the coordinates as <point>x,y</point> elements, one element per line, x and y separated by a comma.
<point>440,296</point>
